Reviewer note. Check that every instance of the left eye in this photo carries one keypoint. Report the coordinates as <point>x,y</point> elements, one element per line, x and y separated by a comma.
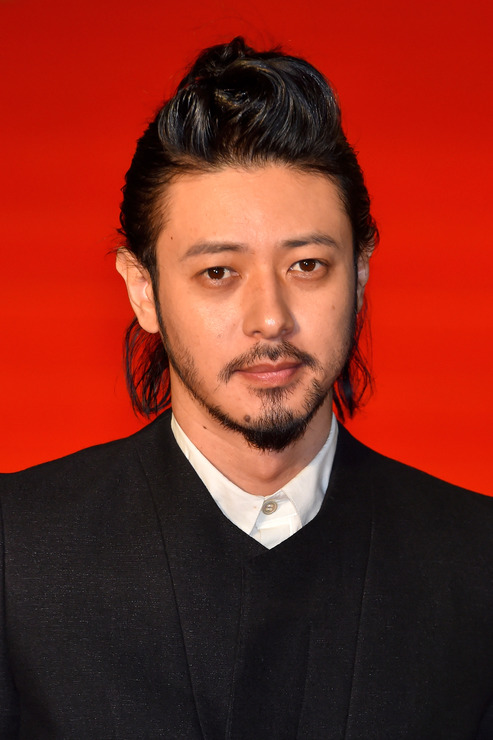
<point>217,273</point>
<point>305,266</point>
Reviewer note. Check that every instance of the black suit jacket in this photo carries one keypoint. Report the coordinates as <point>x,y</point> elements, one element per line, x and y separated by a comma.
<point>132,608</point>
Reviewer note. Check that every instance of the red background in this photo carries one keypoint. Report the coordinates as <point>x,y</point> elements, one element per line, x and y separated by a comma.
<point>80,82</point>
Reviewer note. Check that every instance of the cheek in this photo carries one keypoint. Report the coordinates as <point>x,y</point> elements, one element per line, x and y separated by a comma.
<point>201,328</point>
<point>215,323</point>
<point>332,326</point>
<point>331,312</point>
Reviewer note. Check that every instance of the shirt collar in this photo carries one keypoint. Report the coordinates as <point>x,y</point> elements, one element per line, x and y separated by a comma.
<point>306,490</point>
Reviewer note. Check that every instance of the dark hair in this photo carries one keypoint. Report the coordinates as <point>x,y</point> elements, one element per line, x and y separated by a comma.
<point>237,106</point>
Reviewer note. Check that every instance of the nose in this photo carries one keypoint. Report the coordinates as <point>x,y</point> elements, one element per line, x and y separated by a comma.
<point>266,310</point>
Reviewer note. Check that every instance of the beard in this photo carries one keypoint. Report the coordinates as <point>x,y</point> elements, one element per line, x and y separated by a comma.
<point>276,426</point>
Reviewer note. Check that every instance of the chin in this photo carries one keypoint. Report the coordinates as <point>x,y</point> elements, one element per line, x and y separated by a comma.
<point>276,427</point>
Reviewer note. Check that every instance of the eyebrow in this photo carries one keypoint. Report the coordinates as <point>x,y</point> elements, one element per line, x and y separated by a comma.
<point>315,238</point>
<point>213,247</point>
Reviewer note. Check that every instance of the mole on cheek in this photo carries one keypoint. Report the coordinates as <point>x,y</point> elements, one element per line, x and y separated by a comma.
<point>246,418</point>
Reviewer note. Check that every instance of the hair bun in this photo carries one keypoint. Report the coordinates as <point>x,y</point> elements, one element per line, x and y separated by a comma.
<point>213,61</point>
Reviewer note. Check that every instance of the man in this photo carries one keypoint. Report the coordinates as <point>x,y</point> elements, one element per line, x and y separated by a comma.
<point>243,567</point>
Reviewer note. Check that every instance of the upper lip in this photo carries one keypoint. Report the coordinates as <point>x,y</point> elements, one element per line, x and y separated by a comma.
<point>266,367</point>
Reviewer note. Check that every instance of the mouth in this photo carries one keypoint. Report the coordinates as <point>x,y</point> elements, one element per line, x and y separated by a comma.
<point>267,373</point>
<point>269,365</point>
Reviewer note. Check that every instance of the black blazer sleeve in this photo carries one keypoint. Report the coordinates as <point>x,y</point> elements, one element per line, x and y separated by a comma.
<point>486,728</point>
<point>9,713</point>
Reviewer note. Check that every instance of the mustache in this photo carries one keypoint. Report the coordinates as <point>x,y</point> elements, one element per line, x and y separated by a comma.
<point>282,351</point>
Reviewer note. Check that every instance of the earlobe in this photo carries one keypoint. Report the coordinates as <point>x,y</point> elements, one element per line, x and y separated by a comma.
<point>139,290</point>
<point>362,278</point>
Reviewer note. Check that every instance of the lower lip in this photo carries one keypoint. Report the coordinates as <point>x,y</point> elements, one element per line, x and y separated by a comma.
<point>271,377</point>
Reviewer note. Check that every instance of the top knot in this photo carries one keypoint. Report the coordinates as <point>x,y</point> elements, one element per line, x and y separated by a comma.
<point>212,62</point>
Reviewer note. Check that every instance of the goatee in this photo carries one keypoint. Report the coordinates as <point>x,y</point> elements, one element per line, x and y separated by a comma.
<point>276,427</point>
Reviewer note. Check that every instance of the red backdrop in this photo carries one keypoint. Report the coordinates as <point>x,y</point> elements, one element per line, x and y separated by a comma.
<point>79,83</point>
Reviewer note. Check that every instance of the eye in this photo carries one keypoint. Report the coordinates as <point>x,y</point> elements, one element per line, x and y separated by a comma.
<point>217,273</point>
<point>310,265</point>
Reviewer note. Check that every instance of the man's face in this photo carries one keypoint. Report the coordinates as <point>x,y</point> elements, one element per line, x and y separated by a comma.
<point>257,296</point>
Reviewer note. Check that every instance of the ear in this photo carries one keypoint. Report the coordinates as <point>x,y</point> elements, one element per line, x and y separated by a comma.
<point>139,290</point>
<point>362,278</point>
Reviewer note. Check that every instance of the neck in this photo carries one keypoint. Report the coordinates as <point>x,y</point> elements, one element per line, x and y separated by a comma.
<point>256,471</point>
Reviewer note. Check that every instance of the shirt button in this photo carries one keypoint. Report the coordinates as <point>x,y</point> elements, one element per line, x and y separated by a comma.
<point>269,507</point>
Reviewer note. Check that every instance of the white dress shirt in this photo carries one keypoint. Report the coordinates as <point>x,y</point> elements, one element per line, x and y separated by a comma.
<point>270,519</point>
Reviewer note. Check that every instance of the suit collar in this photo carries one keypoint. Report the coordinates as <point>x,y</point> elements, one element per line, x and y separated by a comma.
<point>205,552</point>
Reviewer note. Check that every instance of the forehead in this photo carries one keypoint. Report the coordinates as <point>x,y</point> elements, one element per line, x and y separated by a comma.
<point>254,205</point>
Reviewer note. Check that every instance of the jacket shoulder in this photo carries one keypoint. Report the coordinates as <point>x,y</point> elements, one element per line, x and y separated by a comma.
<point>389,472</point>
<point>111,463</point>
<point>416,500</point>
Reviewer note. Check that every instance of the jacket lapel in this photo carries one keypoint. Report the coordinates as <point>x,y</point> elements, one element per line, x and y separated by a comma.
<point>205,553</point>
